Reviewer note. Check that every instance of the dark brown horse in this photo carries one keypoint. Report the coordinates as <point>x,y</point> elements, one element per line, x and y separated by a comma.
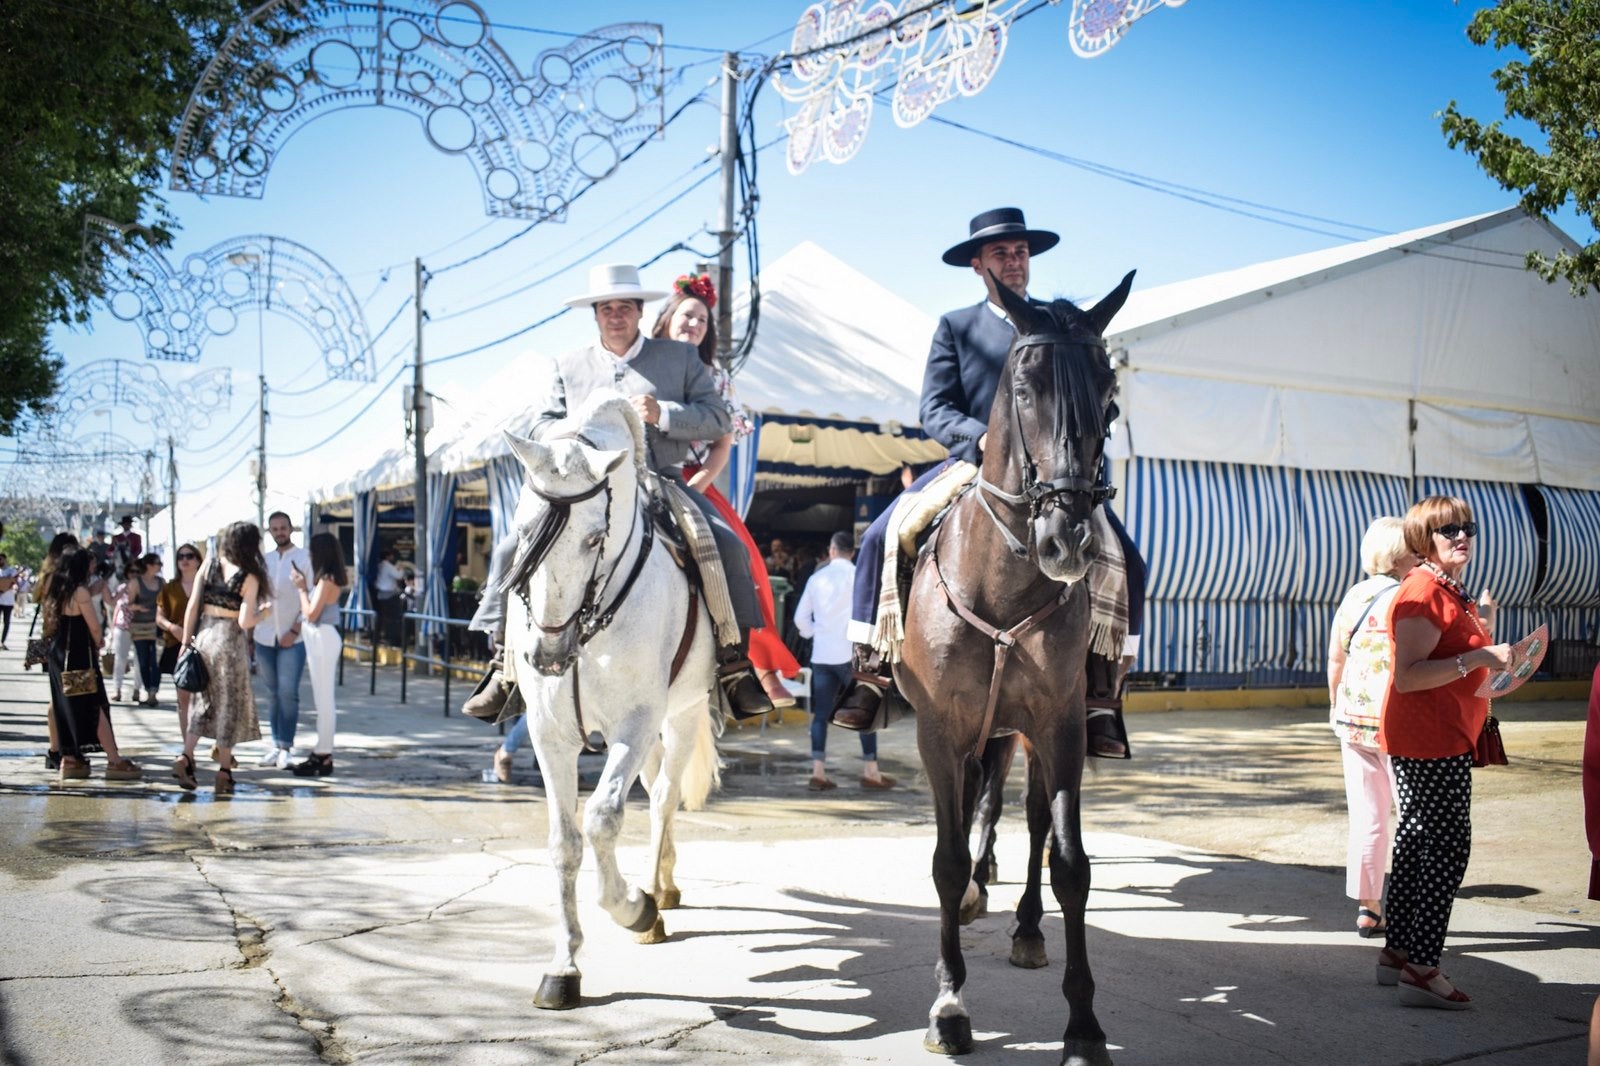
<point>997,627</point>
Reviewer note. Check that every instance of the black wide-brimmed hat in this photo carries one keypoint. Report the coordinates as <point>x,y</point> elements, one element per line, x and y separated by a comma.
<point>1001,224</point>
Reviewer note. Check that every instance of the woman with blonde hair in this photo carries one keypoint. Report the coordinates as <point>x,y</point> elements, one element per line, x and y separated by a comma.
<point>1431,719</point>
<point>1359,666</point>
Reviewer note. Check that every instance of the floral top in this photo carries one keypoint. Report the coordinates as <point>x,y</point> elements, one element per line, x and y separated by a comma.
<point>1369,660</point>
<point>743,424</point>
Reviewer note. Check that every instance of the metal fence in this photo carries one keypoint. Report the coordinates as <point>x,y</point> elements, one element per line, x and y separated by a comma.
<point>364,635</point>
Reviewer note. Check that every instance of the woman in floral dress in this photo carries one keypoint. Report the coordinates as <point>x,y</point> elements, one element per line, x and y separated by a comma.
<point>215,624</point>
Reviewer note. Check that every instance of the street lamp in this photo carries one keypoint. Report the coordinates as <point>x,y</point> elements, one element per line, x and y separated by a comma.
<point>253,259</point>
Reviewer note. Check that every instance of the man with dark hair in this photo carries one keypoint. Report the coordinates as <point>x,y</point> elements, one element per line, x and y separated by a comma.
<point>965,361</point>
<point>280,651</point>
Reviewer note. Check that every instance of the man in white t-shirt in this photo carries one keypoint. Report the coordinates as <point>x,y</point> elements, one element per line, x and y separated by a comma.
<point>388,585</point>
<point>280,655</point>
<point>8,599</point>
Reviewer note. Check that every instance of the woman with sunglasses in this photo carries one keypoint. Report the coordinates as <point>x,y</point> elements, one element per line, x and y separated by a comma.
<point>1443,650</point>
<point>170,607</point>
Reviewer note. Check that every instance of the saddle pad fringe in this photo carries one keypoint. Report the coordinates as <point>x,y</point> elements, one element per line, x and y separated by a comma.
<point>909,516</point>
<point>697,531</point>
<point>1108,592</point>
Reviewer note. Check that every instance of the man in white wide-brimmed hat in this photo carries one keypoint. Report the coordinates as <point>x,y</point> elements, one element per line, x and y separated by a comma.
<point>673,393</point>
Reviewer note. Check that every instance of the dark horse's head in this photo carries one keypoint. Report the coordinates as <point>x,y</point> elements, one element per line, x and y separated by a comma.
<point>1048,424</point>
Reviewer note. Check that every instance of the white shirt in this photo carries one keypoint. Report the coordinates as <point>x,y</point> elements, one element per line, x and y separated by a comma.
<point>285,597</point>
<point>824,611</point>
<point>388,581</point>
<point>8,598</point>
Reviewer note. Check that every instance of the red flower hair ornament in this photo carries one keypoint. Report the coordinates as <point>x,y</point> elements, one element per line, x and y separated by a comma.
<point>699,286</point>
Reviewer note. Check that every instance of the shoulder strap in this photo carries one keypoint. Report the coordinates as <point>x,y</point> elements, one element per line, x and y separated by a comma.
<point>1351,639</point>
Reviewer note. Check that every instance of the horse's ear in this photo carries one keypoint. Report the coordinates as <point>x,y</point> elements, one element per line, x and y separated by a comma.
<point>1023,314</point>
<point>1103,312</point>
<point>602,463</point>
<point>534,456</point>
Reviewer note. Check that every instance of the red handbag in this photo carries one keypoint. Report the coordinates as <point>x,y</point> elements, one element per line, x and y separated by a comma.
<point>1490,750</point>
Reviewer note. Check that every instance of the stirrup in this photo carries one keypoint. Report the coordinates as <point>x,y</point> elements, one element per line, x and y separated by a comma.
<point>1103,721</point>
<point>743,696</point>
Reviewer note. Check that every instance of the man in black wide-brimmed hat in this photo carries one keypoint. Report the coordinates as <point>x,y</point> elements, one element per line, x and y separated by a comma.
<point>965,361</point>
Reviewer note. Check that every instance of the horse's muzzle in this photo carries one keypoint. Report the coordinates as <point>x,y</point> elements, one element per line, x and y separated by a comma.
<point>552,655</point>
<point>1065,549</point>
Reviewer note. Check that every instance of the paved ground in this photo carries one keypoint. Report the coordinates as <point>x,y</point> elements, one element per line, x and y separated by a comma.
<point>399,912</point>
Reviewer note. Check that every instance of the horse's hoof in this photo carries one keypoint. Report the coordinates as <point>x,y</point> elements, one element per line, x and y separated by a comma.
<point>656,934</point>
<point>949,1035</point>
<point>670,899</point>
<point>558,992</point>
<point>974,903</point>
<point>1028,953</point>
<point>647,917</point>
<point>1085,1053</point>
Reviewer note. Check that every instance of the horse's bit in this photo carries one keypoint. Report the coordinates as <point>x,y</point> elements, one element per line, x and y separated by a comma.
<point>1038,495</point>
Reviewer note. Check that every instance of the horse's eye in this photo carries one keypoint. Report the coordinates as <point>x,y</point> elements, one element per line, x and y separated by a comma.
<point>595,538</point>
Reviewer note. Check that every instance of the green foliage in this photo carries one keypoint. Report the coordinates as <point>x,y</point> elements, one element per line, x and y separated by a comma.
<point>1555,86</point>
<point>23,546</point>
<point>93,93</point>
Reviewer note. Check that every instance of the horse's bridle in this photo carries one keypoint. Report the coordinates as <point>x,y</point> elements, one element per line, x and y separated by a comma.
<point>1037,495</point>
<point>589,617</point>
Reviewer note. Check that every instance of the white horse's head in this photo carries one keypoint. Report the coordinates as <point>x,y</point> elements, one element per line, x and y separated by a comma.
<point>576,508</point>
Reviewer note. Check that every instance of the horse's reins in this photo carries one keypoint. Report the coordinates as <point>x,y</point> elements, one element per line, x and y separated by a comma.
<point>1039,495</point>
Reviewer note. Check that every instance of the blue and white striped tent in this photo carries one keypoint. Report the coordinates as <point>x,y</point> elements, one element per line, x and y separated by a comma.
<point>1272,412</point>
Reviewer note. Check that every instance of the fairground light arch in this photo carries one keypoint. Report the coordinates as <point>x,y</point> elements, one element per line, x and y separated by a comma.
<point>535,140</point>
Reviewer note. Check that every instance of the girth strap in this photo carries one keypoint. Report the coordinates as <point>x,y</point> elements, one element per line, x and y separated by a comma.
<point>690,625</point>
<point>1004,641</point>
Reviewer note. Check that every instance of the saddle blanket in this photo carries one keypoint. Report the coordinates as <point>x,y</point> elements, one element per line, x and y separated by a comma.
<point>914,511</point>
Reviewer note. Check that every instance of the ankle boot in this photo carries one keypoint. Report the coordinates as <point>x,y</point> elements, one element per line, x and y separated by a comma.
<point>862,699</point>
<point>1108,734</point>
<point>741,691</point>
<point>492,693</point>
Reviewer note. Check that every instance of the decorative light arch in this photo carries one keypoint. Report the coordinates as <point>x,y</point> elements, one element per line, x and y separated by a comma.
<point>933,52</point>
<point>175,409</point>
<point>180,309</point>
<point>535,140</point>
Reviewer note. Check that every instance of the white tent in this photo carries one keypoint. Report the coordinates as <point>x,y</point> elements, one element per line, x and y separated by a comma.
<point>1321,361</point>
<point>1274,411</point>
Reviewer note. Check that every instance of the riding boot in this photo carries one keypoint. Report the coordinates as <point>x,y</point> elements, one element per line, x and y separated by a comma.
<point>863,698</point>
<point>742,692</point>
<point>492,693</point>
<point>1108,734</point>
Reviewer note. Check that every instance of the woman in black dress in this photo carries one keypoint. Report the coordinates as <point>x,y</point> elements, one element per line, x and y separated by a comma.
<point>78,703</point>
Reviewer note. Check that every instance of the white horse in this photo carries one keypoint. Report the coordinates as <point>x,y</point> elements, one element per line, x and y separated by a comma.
<point>597,617</point>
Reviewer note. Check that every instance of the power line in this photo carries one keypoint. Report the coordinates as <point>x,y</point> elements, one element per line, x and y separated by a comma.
<point>366,351</point>
<point>352,421</point>
<point>224,438</point>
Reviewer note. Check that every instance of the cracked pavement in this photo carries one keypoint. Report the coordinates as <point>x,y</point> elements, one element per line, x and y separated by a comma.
<point>401,911</point>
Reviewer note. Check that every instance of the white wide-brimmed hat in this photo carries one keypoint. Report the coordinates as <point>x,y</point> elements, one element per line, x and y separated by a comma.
<point>614,281</point>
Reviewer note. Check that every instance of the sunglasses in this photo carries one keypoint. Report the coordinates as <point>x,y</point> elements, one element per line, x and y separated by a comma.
<point>1454,529</point>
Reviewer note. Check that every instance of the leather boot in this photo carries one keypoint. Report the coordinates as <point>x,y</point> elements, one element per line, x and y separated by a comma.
<point>492,693</point>
<point>1108,734</point>
<point>862,699</point>
<point>741,690</point>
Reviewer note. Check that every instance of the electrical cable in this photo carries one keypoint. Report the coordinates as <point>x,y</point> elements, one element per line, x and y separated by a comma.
<point>224,438</point>
<point>347,397</point>
<point>366,351</point>
<point>352,421</point>
<point>214,482</point>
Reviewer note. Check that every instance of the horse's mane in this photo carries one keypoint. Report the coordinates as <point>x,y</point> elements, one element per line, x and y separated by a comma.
<point>606,408</point>
<point>1080,377</point>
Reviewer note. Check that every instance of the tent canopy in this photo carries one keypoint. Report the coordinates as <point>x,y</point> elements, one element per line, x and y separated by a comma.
<point>1322,361</point>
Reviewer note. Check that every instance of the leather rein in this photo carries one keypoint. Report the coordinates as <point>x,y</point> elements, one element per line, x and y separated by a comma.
<point>1037,495</point>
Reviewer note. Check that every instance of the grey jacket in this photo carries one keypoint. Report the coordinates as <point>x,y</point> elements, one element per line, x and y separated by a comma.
<point>671,371</point>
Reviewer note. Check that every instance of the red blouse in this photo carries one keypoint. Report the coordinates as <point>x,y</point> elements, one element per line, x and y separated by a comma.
<point>1436,723</point>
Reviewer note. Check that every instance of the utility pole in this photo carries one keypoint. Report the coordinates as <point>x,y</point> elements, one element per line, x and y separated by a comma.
<point>419,430</point>
<point>172,500</point>
<point>730,148</point>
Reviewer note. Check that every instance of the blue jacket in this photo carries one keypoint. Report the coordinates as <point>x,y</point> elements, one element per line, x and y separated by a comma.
<point>964,363</point>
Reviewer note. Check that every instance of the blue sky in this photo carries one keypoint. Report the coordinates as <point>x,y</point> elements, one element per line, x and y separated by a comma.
<point>1328,110</point>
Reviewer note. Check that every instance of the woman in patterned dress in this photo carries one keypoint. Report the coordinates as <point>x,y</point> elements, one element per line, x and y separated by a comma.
<point>1359,666</point>
<point>226,606</point>
<point>1430,725</point>
<point>686,316</point>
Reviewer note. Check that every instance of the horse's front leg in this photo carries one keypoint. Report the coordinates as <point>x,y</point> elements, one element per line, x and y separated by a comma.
<point>558,765</point>
<point>629,907</point>
<point>664,799</point>
<point>1083,1042</point>
<point>1027,943</point>
<point>953,779</point>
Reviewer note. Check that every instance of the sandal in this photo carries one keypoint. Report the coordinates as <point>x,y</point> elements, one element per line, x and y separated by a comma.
<point>183,770</point>
<point>1416,990</point>
<point>314,766</point>
<point>216,757</point>
<point>1390,963</point>
<point>73,769</point>
<point>123,770</point>
<point>223,786</point>
<point>1375,925</point>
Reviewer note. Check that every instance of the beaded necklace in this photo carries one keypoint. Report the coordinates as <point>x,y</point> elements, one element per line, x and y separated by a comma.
<point>1438,574</point>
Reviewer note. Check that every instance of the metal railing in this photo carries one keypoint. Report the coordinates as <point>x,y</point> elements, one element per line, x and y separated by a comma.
<point>368,625</point>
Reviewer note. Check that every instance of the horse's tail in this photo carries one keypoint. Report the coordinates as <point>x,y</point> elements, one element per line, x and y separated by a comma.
<point>703,775</point>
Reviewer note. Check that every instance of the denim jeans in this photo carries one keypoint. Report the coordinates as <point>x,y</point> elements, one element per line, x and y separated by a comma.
<point>280,669</point>
<point>826,681</point>
<point>517,737</point>
<point>149,665</point>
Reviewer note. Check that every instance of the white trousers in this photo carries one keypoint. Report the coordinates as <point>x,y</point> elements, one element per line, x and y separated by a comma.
<point>323,647</point>
<point>1370,792</point>
<point>122,652</point>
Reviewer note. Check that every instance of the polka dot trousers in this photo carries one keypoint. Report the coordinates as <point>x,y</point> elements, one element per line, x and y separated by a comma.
<point>1431,847</point>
